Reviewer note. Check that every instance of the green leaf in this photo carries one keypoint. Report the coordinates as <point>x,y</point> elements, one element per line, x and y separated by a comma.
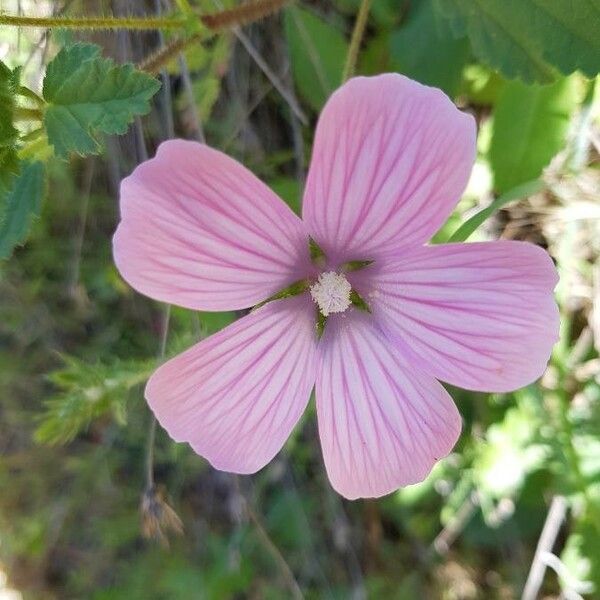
<point>317,52</point>
<point>424,49</point>
<point>481,85</point>
<point>9,169</point>
<point>21,203</point>
<point>527,39</point>
<point>470,225</point>
<point>9,84</point>
<point>530,127</point>
<point>89,95</point>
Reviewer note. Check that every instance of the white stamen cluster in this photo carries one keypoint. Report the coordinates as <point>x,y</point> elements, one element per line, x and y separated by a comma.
<point>331,293</point>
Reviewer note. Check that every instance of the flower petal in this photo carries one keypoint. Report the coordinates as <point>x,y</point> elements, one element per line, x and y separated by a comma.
<point>199,230</point>
<point>481,316</point>
<point>391,159</point>
<point>383,424</point>
<point>236,396</point>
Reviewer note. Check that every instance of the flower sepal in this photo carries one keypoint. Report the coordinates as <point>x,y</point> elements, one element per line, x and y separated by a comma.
<point>294,289</point>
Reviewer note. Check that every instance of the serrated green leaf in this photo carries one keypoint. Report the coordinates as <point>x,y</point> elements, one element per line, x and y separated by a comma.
<point>424,49</point>
<point>21,204</point>
<point>530,127</point>
<point>9,84</point>
<point>318,51</point>
<point>88,95</point>
<point>529,40</point>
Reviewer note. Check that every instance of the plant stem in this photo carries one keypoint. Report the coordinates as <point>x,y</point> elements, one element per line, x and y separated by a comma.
<point>357,35</point>
<point>288,574</point>
<point>248,12</point>
<point>157,60</point>
<point>28,114</point>
<point>245,13</point>
<point>95,22</point>
<point>152,428</point>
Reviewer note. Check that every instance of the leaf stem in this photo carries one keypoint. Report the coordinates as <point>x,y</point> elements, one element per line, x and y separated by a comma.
<point>231,18</point>
<point>164,334</point>
<point>357,36</point>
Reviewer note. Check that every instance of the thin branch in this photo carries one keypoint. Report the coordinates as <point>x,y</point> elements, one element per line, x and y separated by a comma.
<point>264,67</point>
<point>225,19</point>
<point>357,36</point>
<point>554,519</point>
<point>271,76</point>
<point>270,546</point>
<point>251,11</point>
<point>441,544</point>
<point>155,61</point>
<point>188,87</point>
<point>86,187</point>
<point>167,99</point>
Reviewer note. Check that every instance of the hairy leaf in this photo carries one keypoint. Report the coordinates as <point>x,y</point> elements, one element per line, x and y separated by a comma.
<point>530,39</point>
<point>530,127</point>
<point>86,392</point>
<point>19,206</point>
<point>88,95</point>
<point>318,51</point>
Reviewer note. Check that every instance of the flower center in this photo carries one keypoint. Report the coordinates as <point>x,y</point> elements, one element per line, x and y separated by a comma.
<point>331,293</point>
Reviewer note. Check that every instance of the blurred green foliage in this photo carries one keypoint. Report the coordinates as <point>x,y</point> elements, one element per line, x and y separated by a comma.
<point>317,54</point>
<point>76,344</point>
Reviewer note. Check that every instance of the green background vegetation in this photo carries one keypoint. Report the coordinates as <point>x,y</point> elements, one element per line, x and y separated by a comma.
<point>76,343</point>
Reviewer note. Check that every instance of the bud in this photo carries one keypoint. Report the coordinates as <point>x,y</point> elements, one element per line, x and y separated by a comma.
<point>158,518</point>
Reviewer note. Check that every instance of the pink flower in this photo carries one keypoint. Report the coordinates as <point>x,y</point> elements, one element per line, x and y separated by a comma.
<point>390,160</point>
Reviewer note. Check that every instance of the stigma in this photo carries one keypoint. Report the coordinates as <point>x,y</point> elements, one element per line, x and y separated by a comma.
<point>331,293</point>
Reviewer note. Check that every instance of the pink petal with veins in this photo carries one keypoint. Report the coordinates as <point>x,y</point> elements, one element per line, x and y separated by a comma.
<point>200,231</point>
<point>481,316</point>
<point>236,396</point>
<point>390,161</point>
<point>382,422</point>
